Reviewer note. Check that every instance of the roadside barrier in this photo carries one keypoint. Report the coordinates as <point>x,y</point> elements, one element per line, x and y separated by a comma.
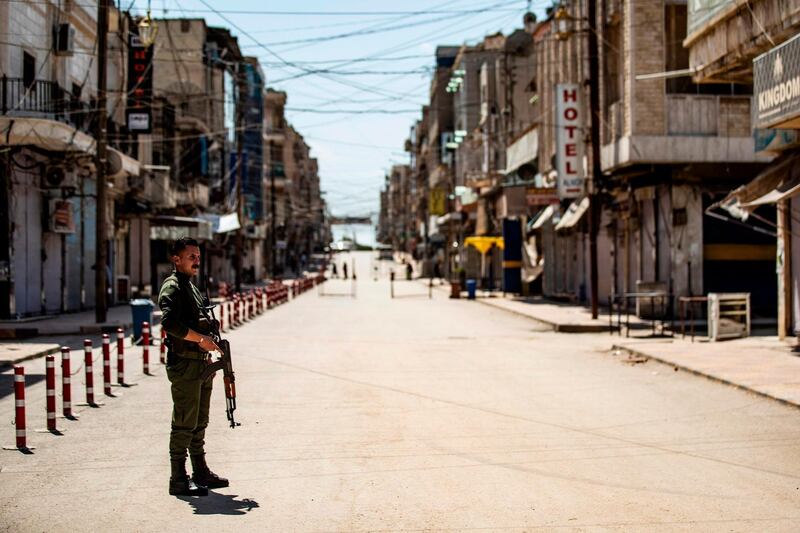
<point>146,348</point>
<point>120,356</point>
<point>50,383</point>
<point>87,363</point>
<point>106,365</point>
<point>66,383</point>
<point>162,348</point>
<point>19,403</point>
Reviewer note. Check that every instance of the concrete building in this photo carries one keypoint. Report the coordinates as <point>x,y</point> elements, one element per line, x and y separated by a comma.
<point>298,223</point>
<point>47,207</point>
<point>755,45</point>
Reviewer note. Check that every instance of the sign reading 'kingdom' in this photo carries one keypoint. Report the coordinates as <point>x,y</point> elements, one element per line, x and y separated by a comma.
<point>776,86</point>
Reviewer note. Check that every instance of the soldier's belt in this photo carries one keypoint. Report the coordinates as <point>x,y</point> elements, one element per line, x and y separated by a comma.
<point>193,355</point>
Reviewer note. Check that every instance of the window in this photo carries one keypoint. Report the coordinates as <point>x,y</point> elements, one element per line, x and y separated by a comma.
<point>677,58</point>
<point>28,69</point>
<point>185,25</point>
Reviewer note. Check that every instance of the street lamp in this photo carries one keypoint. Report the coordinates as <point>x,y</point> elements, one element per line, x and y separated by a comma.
<point>147,29</point>
<point>564,23</point>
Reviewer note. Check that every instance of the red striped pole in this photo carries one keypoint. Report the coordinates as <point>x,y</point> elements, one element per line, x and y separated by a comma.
<point>106,365</point>
<point>66,384</point>
<point>146,347</point>
<point>87,365</point>
<point>19,402</point>
<point>162,349</point>
<point>120,357</point>
<point>50,381</point>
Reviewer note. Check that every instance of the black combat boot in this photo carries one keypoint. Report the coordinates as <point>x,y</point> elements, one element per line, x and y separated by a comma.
<point>179,482</point>
<point>202,475</point>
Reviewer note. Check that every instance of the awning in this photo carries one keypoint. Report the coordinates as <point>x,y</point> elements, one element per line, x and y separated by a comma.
<point>484,244</point>
<point>170,228</point>
<point>523,150</point>
<point>573,215</point>
<point>49,135</point>
<point>544,215</point>
<point>780,180</point>
<point>120,164</point>
<point>449,217</point>
<point>223,223</point>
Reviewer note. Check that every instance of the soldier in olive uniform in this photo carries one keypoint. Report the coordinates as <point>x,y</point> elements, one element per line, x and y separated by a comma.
<point>187,327</point>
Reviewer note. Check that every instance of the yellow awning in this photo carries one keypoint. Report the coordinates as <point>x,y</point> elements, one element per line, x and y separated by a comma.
<point>484,244</point>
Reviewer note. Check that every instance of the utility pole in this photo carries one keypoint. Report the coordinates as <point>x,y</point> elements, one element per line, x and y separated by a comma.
<point>272,218</point>
<point>101,166</point>
<point>238,260</point>
<point>594,191</point>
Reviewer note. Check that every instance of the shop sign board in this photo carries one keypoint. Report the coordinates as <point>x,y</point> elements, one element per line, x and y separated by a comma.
<point>776,86</point>
<point>569,141</point>
<point>538,196</point>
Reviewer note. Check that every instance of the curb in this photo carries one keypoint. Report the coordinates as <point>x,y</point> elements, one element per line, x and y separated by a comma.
<point>8,364</point>
<point>705,375</point>
<point>557,327</point>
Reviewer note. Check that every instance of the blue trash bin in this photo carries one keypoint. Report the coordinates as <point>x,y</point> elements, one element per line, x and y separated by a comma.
<point>142,311</point>
<point>472,285</point>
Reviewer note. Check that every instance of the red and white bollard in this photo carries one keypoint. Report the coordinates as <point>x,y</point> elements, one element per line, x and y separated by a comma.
<point>50,382</point>
<point>146,348</point>
<point>106,365</point>
<point>162,349</point>
<point>87,364</point>
<point>66,382</point>
<point>234,314</point>
<point>120,357</point>
<point>19,403</point>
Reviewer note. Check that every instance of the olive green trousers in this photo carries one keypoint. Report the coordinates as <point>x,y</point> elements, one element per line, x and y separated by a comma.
<point>190,403</point>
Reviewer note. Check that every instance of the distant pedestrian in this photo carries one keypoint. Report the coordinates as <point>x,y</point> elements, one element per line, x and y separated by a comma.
<point>189,346</point>
<point>334,273</point>
<point>344,270</point>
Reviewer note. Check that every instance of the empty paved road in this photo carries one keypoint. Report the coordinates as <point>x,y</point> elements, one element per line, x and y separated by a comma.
<point>371,414</point>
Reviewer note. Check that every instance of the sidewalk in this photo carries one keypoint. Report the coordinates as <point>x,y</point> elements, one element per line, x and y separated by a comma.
<point>48,334</point>
<point>763,365</point>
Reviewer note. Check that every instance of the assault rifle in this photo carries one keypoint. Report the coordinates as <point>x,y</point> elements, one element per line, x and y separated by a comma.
<point>223,363</point>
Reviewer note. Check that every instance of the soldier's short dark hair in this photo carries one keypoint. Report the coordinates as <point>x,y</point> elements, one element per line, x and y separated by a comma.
<point>180,245</point>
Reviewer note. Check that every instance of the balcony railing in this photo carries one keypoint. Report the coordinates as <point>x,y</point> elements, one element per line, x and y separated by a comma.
<point>708,115</point>
<point>43,99</point>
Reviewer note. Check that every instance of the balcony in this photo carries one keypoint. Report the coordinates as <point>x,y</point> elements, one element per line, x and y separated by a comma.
<point>727,116</point>
<point>697,129</point>
<point>43,99</point>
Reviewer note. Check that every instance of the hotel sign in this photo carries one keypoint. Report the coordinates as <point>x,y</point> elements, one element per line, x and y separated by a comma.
<point>138,114</point>
<point>776,87</point>
<point>569,141</point>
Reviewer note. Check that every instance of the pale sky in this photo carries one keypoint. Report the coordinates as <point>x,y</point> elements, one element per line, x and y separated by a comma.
<point>356,115</point>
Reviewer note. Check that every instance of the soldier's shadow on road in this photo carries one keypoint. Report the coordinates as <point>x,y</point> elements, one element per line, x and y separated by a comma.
<point>216,503</point>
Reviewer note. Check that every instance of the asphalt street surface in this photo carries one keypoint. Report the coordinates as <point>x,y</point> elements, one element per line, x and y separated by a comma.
<point>365,413</point>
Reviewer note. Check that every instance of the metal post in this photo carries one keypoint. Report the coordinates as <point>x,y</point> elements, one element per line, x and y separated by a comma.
<point>101,260</point>
<point>238,260</point>
<point>50,385</point>
<point>89,373</point>
<point>66,384</point>
<point>594,104</point>
<point>146,348</point>
<point>19,402</point>
<point>106,365</point>
<point>120,357</point>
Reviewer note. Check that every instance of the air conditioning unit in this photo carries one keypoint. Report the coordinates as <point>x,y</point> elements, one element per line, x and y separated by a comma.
<point>58,177</point>
<point>63,39</point>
